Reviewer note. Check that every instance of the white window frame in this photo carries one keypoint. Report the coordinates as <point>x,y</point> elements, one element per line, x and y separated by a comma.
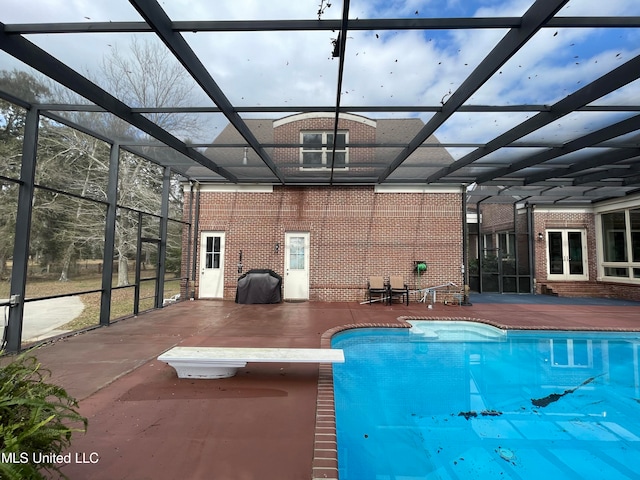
<point>629,264</point>
<point>571,356</point>
<point>325,150</point>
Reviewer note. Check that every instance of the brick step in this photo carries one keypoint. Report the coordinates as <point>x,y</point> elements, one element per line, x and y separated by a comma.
<point>576,289</point>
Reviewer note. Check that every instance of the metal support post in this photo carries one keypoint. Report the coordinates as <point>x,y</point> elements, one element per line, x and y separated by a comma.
<point>109,236</point>
<point>23,232</point>
<point>162,248</point>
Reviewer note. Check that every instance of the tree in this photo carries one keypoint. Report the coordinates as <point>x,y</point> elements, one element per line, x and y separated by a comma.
<point>146,76</point>
<point>12,122</point>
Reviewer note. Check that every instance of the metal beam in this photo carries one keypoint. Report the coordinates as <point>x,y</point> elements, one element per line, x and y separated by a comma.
<point>617,129</point>
<point>625,175</point>
<point>632,181</point>
<point>516,38</point>
<point>329,108</point>
<point>340,48</point>
<point>53,68</point>
<point>151,11</point>
<point>605,158</point>
<point>604,85</point>
<point>321,25</point>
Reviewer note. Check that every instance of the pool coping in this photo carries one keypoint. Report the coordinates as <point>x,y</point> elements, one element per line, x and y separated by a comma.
<point>325,446</point>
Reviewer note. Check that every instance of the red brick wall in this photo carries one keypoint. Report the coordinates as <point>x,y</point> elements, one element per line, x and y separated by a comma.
<point>550,220</point>
<point>354,232</point>
<point>497,217</point>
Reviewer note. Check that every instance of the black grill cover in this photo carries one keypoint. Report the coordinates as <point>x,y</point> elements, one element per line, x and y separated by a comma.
<point>259,286</point>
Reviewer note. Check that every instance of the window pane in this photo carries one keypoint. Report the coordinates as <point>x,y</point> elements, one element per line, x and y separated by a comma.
<point>560,352</point>
<point>342,141</point>
<point>616,272</point>
<point>209,244</point>
<point>340,159</point>
<point>312,158</point>
<point>614,237</point>
<point>312,141</point>
<point>634,218</point>
<point>581,352</point>
<point>296,253</point>
<point>216,244</point>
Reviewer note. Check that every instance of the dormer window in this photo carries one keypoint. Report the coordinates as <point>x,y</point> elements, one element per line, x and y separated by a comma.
<point>317,148</point>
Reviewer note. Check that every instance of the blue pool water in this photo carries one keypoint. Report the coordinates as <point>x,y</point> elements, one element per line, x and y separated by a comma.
<point>458,400</point>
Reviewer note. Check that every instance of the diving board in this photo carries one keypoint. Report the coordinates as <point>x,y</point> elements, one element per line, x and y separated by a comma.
<point>223,362</point>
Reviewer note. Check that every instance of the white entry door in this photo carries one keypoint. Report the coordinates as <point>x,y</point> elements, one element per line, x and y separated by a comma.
<point>567,255</point>
<point>296,266</point>
<point>212,265</point>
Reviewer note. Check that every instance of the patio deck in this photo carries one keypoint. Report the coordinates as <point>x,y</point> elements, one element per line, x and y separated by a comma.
<point>145,423</point>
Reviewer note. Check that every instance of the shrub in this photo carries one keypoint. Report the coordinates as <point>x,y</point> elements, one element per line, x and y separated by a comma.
<point>36,417</point>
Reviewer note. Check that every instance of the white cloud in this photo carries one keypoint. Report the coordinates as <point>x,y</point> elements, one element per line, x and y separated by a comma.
<point>392,68</point>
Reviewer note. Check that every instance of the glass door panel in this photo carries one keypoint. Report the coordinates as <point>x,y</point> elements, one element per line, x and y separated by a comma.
<point>556,254</point>
<point>576,263</point>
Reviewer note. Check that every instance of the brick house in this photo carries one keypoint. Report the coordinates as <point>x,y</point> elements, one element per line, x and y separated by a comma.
<point>324,240</point>
<point>589,250</point>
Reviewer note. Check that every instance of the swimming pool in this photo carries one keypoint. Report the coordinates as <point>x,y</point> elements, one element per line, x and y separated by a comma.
<point>459,400</point>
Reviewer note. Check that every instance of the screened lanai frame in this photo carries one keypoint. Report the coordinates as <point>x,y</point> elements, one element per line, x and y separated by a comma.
<point>575,142</point>
<point>153,226</point>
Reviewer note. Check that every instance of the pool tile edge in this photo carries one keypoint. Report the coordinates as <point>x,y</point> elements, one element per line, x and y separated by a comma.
<point>325,448</point>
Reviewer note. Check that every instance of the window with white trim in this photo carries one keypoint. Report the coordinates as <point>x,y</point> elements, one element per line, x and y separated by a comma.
<point>317,149</point>
<point>621,243</point>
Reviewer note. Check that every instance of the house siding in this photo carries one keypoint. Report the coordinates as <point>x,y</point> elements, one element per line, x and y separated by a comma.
<point>355,233</point>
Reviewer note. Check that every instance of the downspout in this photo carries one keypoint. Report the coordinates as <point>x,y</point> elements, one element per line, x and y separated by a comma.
<point>196,233</point>
<point>465,239</point>
<point>189,240</point>
<point>480,241</point>
<point>532,257</point>
<point>465,246</point>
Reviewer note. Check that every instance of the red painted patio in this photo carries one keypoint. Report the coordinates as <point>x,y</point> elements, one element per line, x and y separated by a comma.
<point>145,423</point>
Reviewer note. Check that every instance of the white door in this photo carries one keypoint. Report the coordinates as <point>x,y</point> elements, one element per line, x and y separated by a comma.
<point>296,266</point>
<point>212,265</point>
<point>567,255</point>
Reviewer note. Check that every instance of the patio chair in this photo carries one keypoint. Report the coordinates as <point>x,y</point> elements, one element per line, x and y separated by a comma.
<point>397,287</point>
<point>376,286</point>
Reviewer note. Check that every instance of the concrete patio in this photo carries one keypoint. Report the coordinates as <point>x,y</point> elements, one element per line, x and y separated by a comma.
<point>145,423</point>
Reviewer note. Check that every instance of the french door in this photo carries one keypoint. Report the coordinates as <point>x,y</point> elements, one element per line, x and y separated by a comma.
<point>567,254</point>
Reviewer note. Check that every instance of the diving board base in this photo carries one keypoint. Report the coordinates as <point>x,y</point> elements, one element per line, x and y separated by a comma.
<point>194,369</point>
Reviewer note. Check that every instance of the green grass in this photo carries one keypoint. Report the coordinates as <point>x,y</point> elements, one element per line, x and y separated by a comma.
<point>121,299</point>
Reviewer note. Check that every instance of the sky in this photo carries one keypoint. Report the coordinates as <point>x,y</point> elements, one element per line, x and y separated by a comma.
<point>381,68</point>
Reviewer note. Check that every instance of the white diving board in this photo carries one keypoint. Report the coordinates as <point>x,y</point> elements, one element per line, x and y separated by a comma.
<point>223,362</point>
